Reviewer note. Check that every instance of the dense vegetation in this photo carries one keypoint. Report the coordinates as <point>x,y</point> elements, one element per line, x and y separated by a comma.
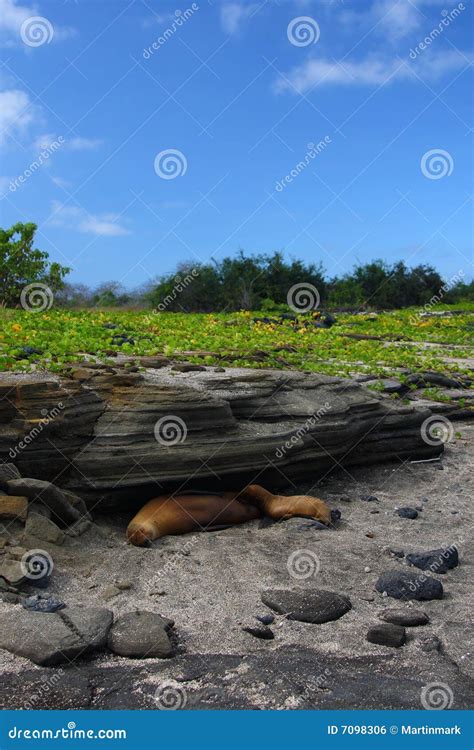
<point>257,282</point>
<point>357,343</point>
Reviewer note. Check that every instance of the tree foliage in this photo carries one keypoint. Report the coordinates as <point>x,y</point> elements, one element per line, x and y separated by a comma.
<point>21,264</point>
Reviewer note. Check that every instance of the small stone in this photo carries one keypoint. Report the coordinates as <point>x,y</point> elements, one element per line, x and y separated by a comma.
<point>123,585</point>
<point>43,528</point>
<point>369,498</point>
<point>142,635</point>
<point>370,534</point>
<point>260,632</point>
<point>110,592</point>
<point>374,512</point>
<point>367,569</point>
<point>345,499</point>
<point>159,592</point>
<point>407,513</point>
<point>315,606</point>
<point>396,552</point>
<point>402,584</point>
<point>387,635</point>
<point>219,369</point>
<point>405,617</point>
<point>436,560</point>
<point>188,367</point>
<point>266,619</point>
<point>431,643</point>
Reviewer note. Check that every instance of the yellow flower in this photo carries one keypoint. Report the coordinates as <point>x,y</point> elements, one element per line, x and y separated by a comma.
<point>16,327</point>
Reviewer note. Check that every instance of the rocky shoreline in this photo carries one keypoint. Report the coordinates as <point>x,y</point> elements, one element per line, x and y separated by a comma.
<point>372,613</point>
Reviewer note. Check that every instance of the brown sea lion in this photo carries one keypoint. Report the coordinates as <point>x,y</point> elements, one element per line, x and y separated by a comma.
<point>179,514</point>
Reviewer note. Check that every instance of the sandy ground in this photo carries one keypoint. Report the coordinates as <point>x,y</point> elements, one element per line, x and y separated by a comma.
<point>210,585</point>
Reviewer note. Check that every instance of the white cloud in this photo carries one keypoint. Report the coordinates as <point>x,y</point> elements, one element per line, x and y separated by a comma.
<point>60,182</point>
<point>83,144</point>
<point>71,144</point>
<point>78,219</point>
<point>233,15</point>
<point>16,112</point>
<point>371,71</point>
<point>12,16</point>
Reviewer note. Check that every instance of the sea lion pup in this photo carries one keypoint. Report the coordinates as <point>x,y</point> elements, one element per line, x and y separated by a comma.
<point>169,514</point>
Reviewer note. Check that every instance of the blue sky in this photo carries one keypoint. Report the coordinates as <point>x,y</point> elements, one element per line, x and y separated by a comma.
<point>241,93</point>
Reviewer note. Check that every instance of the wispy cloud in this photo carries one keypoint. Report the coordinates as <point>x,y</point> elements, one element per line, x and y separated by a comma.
<point>78,219</point>
<point>78,143</point>
<point>16,113</point>
<point>233,15</point>
<point>370,71</point>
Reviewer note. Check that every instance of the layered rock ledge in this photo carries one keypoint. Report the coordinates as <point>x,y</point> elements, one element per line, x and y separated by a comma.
<point>113,435</point>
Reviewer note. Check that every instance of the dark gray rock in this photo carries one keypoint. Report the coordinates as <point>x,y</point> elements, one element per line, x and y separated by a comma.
<point>56,638</point>
<point>402,584</point>
<point>8,471</point>
<point>436,560</point>
<point>387,634</point>
<point>405,617</point>
<point>63,509</point>
<point>266,619</point>
<point>307,605</point>
<point>44,529</point>
<point>109,421</point>
<point>407,512</point>
<point>430,643</point>
<point>141,635</point>
<point>266,634</point>
<point>369,498</point>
